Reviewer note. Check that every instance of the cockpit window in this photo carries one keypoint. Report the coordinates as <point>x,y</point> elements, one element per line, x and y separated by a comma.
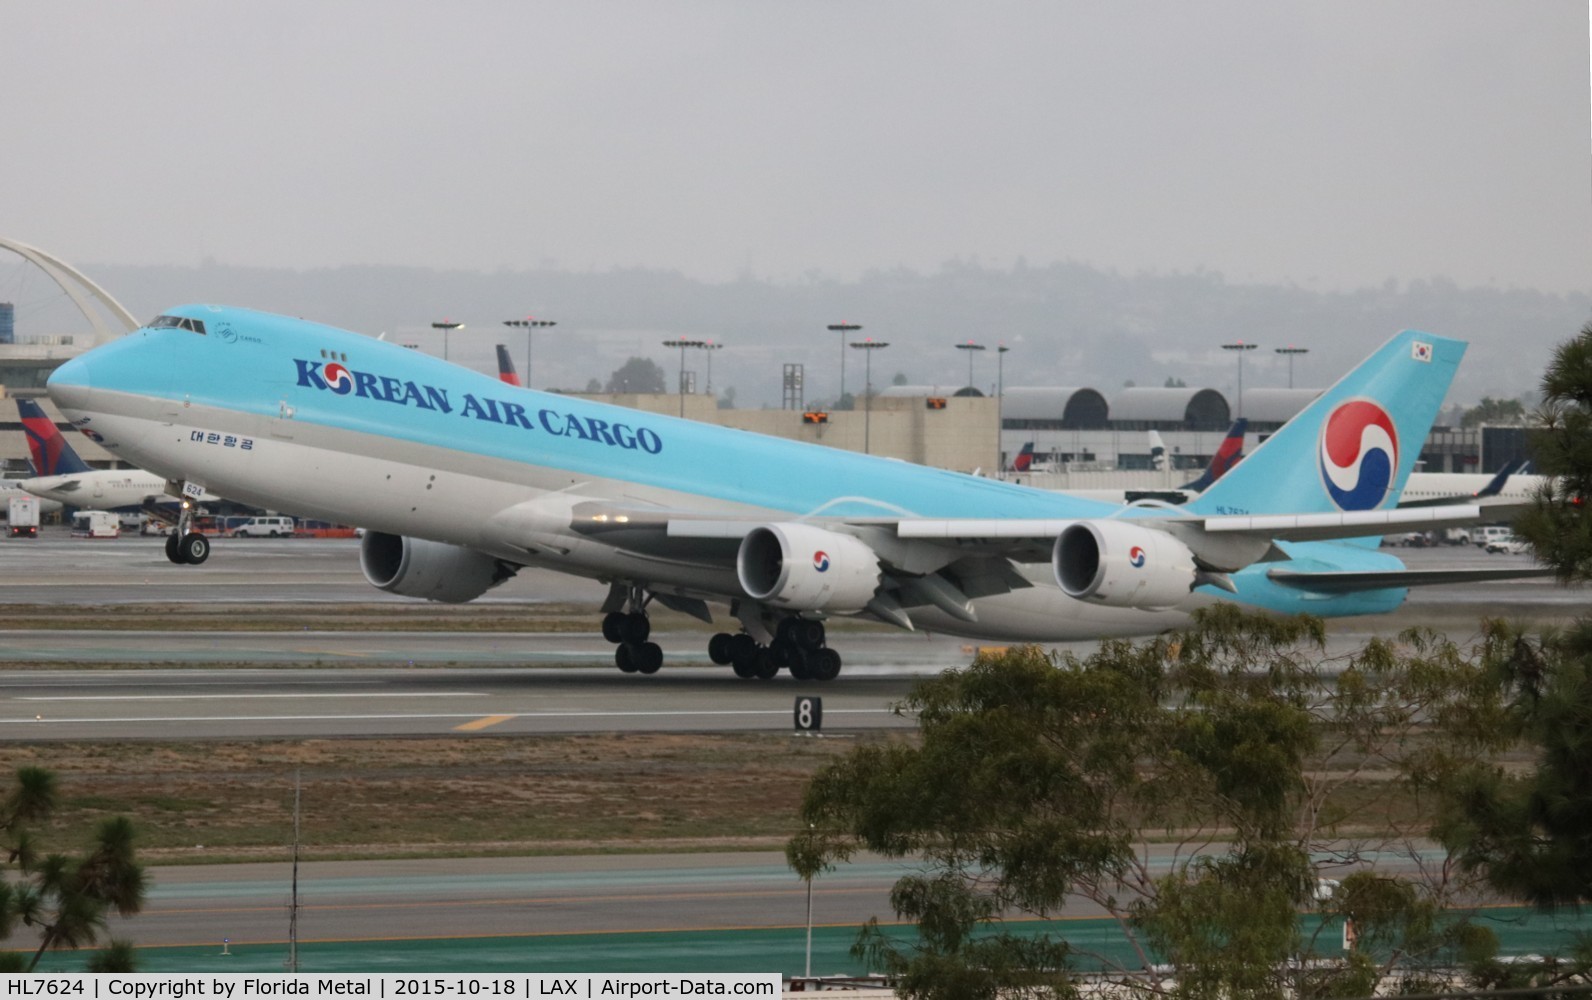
<point>178,323</point>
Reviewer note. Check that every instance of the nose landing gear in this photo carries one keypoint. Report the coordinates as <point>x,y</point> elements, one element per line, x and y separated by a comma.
<point>184,546</point>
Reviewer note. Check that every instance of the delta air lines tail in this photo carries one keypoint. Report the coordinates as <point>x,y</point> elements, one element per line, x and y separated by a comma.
<point>51,454</point>
<point>506,372</point>
<point>1227,455</point>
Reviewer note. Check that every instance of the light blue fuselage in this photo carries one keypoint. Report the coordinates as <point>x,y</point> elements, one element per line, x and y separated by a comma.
<point>322,422</point>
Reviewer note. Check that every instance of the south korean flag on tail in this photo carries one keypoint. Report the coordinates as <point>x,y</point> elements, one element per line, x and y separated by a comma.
<point>1421,351</point>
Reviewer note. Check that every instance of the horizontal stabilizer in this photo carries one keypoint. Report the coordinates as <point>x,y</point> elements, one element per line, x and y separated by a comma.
<point>1387,579</point>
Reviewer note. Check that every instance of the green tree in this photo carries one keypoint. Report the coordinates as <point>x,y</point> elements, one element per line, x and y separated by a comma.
<point>1532,832</point>
<point>1494,411</point>
<point>636,375</point>
<point>1038,778</point>
<point>65,897</point>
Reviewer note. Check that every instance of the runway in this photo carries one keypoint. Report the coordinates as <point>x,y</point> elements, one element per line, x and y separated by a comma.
<point>293,703</point>
<point>326,684</point>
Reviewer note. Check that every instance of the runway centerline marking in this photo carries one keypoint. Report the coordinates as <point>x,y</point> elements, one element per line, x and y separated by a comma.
<point>479,724</point>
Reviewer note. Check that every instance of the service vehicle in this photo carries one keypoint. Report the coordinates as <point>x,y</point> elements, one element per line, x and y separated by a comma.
<point>96,524</point>
<point>23,517</point>
<point>270,527</point>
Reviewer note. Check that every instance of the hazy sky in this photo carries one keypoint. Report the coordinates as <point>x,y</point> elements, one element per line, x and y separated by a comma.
<point>1331,144</point>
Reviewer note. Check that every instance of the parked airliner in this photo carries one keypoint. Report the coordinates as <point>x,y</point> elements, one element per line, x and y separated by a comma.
<point>62,477</point>
<point>461,479</point>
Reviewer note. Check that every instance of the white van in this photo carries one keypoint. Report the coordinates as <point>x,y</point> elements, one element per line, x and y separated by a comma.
<point>269,527</point>
<point>1489,533</point>
<point>96,524</point>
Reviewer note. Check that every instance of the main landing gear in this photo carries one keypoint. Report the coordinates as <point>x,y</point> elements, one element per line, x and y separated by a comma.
<point>771,641</point>
<point>629,631</point>
<point>798,646</point>
<point>184,546</point>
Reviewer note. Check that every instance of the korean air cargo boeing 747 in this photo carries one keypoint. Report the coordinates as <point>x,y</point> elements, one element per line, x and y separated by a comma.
<point>461,480</point>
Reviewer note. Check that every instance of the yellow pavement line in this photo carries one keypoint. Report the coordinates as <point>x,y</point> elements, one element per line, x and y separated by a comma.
<point>489,721</point>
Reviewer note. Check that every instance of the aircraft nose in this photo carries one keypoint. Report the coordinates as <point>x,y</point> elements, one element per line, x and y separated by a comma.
<point>70,384</point>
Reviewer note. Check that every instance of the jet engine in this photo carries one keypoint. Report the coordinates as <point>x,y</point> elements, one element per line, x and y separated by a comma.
<point>436,571</point>
<point>807,568</point>
<point>1123,565</point>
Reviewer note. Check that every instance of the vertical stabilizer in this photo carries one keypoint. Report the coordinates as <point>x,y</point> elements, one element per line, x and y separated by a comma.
<point>506,372</point>
<point>1354,446</point>
<point>51,455</point>
<point>1227,455</point>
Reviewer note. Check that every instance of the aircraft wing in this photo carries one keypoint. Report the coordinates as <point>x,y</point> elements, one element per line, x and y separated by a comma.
<point>951,562</point>
<point>1286,527</point>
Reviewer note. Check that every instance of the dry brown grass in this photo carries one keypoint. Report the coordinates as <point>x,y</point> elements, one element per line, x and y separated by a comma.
<point>213,801</point>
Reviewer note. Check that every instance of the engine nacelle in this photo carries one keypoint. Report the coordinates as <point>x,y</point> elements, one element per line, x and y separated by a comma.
<point>1120,564</point>
<point>436,571</point>
<point>807,568</point>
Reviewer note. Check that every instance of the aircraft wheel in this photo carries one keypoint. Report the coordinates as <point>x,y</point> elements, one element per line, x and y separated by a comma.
<point>765,667</point>
<point>808,634</point>
<point>625,657</point>
<point>825,665</point>
<point>613,626</point>
<point>744,667</point>
<point>636,628</point>
<point>649,657</point>
<point>172,552</point>
<point>798,660</point>
<point>719,648</point>
<point>784,631</point>
<point>780,652</point>
<point>742,647</point>
<point>194,548</point>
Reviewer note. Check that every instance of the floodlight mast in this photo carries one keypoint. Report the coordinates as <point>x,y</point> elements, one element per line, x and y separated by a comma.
<point>447,326</point>
<point>1241,348</point>
<point>1292,352</point>
<point>971,349</point>
<point>682,344</point>
<point>868,346</point>
<point>528,324</point>
<point>843,329</point>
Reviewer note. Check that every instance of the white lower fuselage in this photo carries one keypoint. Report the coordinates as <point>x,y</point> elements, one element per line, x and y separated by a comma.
<point>479,502</point>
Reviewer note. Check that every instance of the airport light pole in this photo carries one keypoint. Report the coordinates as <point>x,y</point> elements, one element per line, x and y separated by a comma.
<point>1000,400</point>
<point>682,344</point>
<point>528,324</point>
<point>710,346</point>
<point>1241,348</point>
<point>1292,352</point>
<point>447,326</point>
<point>868,346</point>
<point>843,329</point>
<point>971,349</point>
